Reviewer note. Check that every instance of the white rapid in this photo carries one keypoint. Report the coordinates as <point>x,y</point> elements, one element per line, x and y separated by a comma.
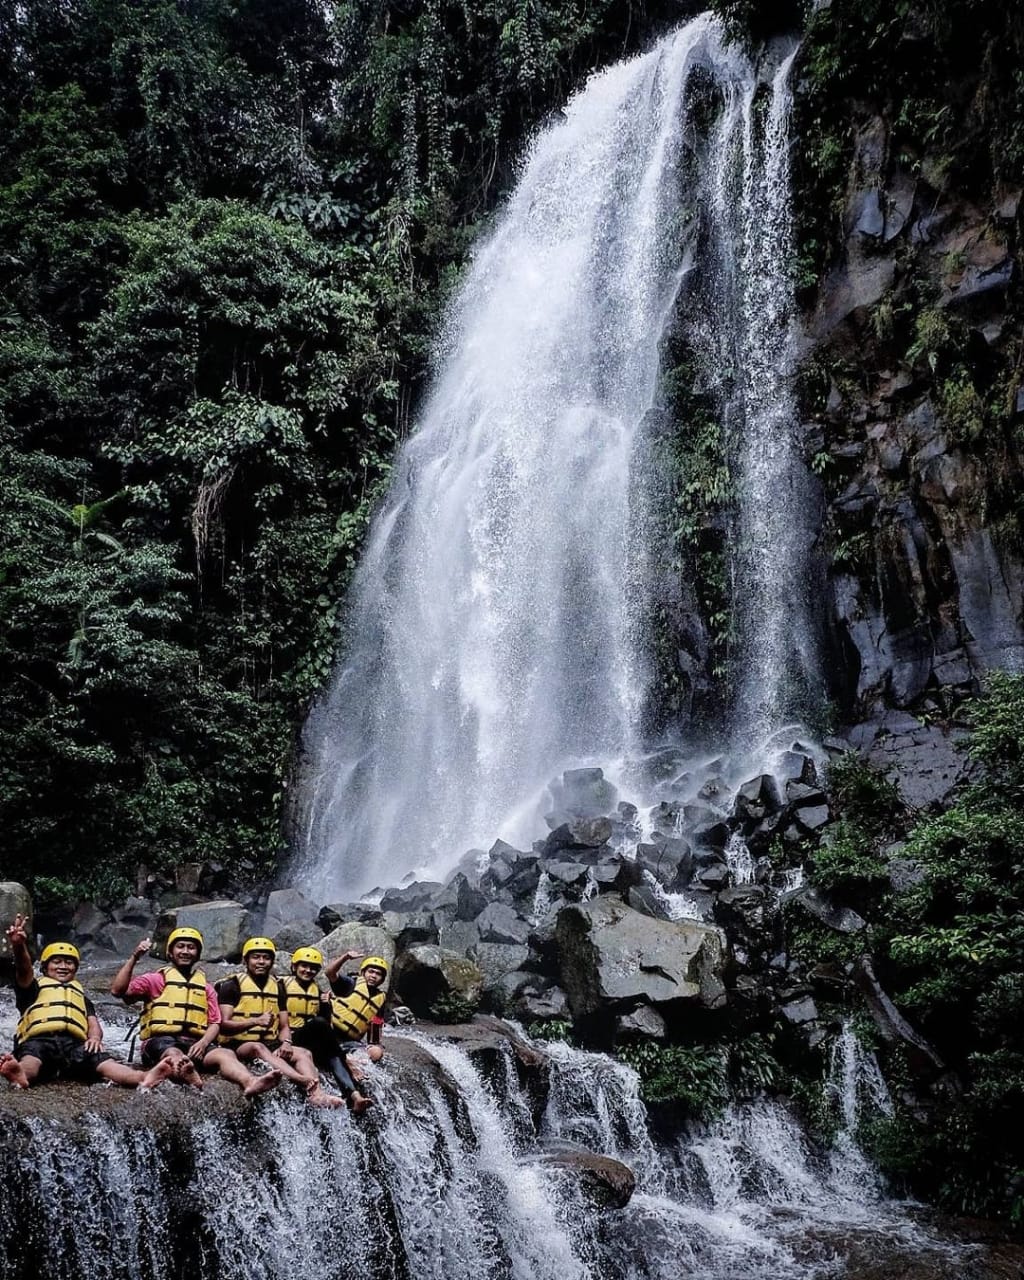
<point>497,628</point>
<point>462,1172</point>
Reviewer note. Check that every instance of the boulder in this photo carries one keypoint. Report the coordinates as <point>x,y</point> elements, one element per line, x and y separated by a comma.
<point>499,923</point>
<point>794,766</point>
<point>611,954</point>
<point>409,927</point>
<point>607,1183</point>
<point>647,900</point>
<point>495,960</point>
<point>642,1022</point>
<point>818,904</point>
<point>120,938</point>
<point>427,972</point>
<point>296,933</point>
<point>411,897</point>
<point>88,921</point>
<point>353,936</point>
<point>585,793</point>
<point>670,861</point>
<point>336,913</point>
<point>542,1002</point>
<point>756,798</point>
<point>15,900</point>
<point>137,911</point>
<point>458,895</point>
<point>224,925</point>
<point>579,833</point>
<point>458,935</point>
<point>285,906</point>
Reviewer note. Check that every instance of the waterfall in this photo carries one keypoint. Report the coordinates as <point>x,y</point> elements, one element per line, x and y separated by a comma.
<point>742,334</point>
<point>447,1180</point>
<point>498,629</point>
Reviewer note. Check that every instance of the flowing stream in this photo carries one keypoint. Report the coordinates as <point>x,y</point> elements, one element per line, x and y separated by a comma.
<point>499,626</point>
<point>463,1171</point>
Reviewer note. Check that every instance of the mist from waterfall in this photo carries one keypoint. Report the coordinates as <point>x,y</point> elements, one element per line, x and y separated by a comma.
<point>498,629</point>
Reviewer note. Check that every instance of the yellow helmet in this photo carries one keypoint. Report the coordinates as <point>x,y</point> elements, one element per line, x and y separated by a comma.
<point>185,934</point>
<point>308,955</point>
<point>258,944</point>
<point>56,949</point>
<point>375,962</point>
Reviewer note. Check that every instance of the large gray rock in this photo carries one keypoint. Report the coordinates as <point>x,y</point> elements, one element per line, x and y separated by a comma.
<point>461,898</point>
<point>15,900</point>
<point>611,954</point>
<point>353,936</point>
<point>285,906</point>
<point>296,933</point>
<point>224,925</point>
<point>428,973</point>
<point>925,764</point>
<point>496,960</point>
<point>499,923</point>
<point>418,896</point>
<point>584,793</point>
<point>643,1021</point>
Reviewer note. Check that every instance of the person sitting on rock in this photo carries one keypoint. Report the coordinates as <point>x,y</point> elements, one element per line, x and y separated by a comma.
<point>356,1006</point>
<point>59,1035</point>
<point>309,1019</point>
<point>181,1016</point>
<point>255,1024</point>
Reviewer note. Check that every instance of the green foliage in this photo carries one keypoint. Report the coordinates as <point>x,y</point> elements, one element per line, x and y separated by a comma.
<point>693,1078</point>
<point>555,1029</point>
<point>451,1008</point>
<point>862,793</point>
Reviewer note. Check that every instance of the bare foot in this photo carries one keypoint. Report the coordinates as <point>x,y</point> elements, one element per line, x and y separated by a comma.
<point>321,1098</point>
<point>156,1075</point>
<point>12,1070</point>
<point>359,1104</point>
<point>189,1074</point>
<point>260,1084</point>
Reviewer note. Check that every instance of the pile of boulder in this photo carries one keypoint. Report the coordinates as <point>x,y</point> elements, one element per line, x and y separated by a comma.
<point>617,921</point>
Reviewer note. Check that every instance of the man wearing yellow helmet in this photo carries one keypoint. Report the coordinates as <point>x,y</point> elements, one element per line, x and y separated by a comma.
<point>309,1020</point>
<point>355,1009</point>
<point>181,1015</point>
<point>255,1021</point>
<point>59,1035</point>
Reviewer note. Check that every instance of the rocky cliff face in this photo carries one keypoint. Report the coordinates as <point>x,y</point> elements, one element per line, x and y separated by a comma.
<point>911,368</point>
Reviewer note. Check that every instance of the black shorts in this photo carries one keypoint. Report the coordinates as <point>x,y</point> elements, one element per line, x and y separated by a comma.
<point>155,1047</point>
<point>63,1057</point>
<point>317,1035</point>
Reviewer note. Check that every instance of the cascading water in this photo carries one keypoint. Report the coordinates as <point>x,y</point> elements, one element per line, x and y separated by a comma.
<point>451,1179</point>
<point>497,629</point>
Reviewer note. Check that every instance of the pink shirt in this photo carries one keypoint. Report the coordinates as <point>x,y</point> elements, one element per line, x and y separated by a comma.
<point>150,985</point>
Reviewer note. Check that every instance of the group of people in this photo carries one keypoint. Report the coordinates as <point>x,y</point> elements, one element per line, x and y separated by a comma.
<point>289,1026</point>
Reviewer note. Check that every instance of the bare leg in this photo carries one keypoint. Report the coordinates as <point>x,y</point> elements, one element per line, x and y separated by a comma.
<point>227,1064</point>
<point>14,1071</point>
<point>257,1052</point>
<point>120,1073</point>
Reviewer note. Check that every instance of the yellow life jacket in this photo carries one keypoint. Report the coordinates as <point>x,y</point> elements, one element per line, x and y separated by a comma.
<point>303,1002</point>
<point>351,1015</point>
<point>180,1009</point>
<point>59,1007</point>
<point>253,1002</point>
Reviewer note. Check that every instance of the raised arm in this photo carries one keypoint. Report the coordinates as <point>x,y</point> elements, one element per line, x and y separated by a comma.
<point>18,940</point>
<point>333,967</point>
<point>121,979</point>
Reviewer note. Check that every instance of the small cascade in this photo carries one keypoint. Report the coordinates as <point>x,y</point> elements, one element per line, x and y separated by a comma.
<point>446,1180</point>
